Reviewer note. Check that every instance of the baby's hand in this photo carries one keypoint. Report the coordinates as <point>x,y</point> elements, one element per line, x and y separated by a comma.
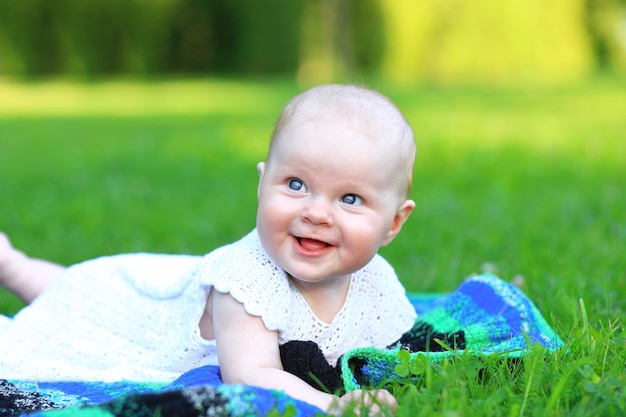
<point>377,403</point>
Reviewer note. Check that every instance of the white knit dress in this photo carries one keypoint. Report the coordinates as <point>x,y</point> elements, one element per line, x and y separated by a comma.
<point>135,316</point>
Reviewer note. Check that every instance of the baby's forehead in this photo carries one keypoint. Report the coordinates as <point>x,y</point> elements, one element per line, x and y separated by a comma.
<point>324,142</point>
<point>363,108</point>
<point>388,138</point>
<point>335,156</point>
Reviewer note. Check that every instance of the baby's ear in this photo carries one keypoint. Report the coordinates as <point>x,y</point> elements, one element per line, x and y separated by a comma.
<point>403,213</point>
<point>260,167</point>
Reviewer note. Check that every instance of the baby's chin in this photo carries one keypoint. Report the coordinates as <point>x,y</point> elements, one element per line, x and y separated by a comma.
<point>316,279</point>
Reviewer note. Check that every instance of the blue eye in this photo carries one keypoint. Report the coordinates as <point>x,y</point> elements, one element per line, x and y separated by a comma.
<point>352,199</point>
<point>296,185</point>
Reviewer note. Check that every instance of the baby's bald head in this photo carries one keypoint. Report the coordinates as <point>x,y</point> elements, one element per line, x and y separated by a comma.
<point>361,109</point>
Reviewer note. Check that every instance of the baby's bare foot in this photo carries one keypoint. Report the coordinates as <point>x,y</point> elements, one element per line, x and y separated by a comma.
<point>24,276</point>
<point>11,261</point>
<point>6,250</point>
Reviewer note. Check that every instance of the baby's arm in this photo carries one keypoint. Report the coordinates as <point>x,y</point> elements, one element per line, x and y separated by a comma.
<point>249,354</point>
<point>26,277</point>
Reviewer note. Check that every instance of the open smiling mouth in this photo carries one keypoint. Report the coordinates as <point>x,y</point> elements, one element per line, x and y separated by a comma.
<point>311,244</point>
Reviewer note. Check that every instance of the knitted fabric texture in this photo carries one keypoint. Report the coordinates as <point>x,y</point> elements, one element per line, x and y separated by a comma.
<point>484,316</point>
<point>131,317</point>
<point>135,317</point>
<point>376,311</point>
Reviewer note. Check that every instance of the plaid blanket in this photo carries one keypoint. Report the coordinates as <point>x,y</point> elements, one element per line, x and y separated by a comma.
<point>484,316</point>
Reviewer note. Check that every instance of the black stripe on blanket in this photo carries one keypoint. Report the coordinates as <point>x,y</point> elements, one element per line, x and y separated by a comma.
<point>202,401</point>
<point>13,401</point>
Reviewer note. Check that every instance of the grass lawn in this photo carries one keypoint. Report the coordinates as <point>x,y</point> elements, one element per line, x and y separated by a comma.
<point>526,181</point>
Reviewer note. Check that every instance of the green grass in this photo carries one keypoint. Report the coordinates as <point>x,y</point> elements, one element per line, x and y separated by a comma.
<point>529,181</point>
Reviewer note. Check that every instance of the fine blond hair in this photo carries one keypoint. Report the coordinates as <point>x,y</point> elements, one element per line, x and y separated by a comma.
<point>363,109</point>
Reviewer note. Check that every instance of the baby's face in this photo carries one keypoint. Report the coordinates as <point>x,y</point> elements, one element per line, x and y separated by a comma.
<point>327,200</point>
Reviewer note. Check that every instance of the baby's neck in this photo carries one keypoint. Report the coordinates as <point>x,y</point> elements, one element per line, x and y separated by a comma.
<point>326,298</point>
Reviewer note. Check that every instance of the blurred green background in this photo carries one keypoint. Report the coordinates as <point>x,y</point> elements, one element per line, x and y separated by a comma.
<point>406,41</point>
<point>135,125</point>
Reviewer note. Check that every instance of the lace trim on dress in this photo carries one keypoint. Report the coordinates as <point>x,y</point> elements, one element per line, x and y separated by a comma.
<point>244,270</point>
<point>375,313</point>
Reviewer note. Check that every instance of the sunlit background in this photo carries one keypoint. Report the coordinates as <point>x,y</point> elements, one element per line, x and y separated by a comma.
<point>405,41</point>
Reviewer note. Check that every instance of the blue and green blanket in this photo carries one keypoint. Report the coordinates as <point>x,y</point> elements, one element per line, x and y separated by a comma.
<point>483,316</point>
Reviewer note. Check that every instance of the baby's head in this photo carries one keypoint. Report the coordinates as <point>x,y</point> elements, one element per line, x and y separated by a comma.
<point>358,108</point>
<point>334,187</point>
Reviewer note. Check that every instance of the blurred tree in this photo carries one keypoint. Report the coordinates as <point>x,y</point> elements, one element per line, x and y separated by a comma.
<point>194,43</point>
<point>267,35</point>
<point>368,31</point>
<point>146,36</point>
<point>606,22</point>
<point>318,56</point>
<point>339,39</point>
<point>91,32</point>
<point>26,47</point>
<point>237,36</point>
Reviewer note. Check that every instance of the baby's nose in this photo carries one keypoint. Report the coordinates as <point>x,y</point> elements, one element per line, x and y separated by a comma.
<point>318,213</point>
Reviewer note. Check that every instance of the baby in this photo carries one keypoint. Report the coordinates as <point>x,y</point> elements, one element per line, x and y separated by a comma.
<point>332,191</point>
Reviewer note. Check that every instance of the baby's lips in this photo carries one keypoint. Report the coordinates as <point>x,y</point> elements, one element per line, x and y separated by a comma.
<point>312,244</point>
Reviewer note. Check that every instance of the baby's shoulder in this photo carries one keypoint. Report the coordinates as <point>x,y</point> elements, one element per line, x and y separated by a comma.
<point>244,270</point>
<point>378,281</point>
<point>244,262</point>
<point>378,269</point>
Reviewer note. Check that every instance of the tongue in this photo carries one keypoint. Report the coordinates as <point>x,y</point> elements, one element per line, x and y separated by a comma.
<point>311,244</point>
